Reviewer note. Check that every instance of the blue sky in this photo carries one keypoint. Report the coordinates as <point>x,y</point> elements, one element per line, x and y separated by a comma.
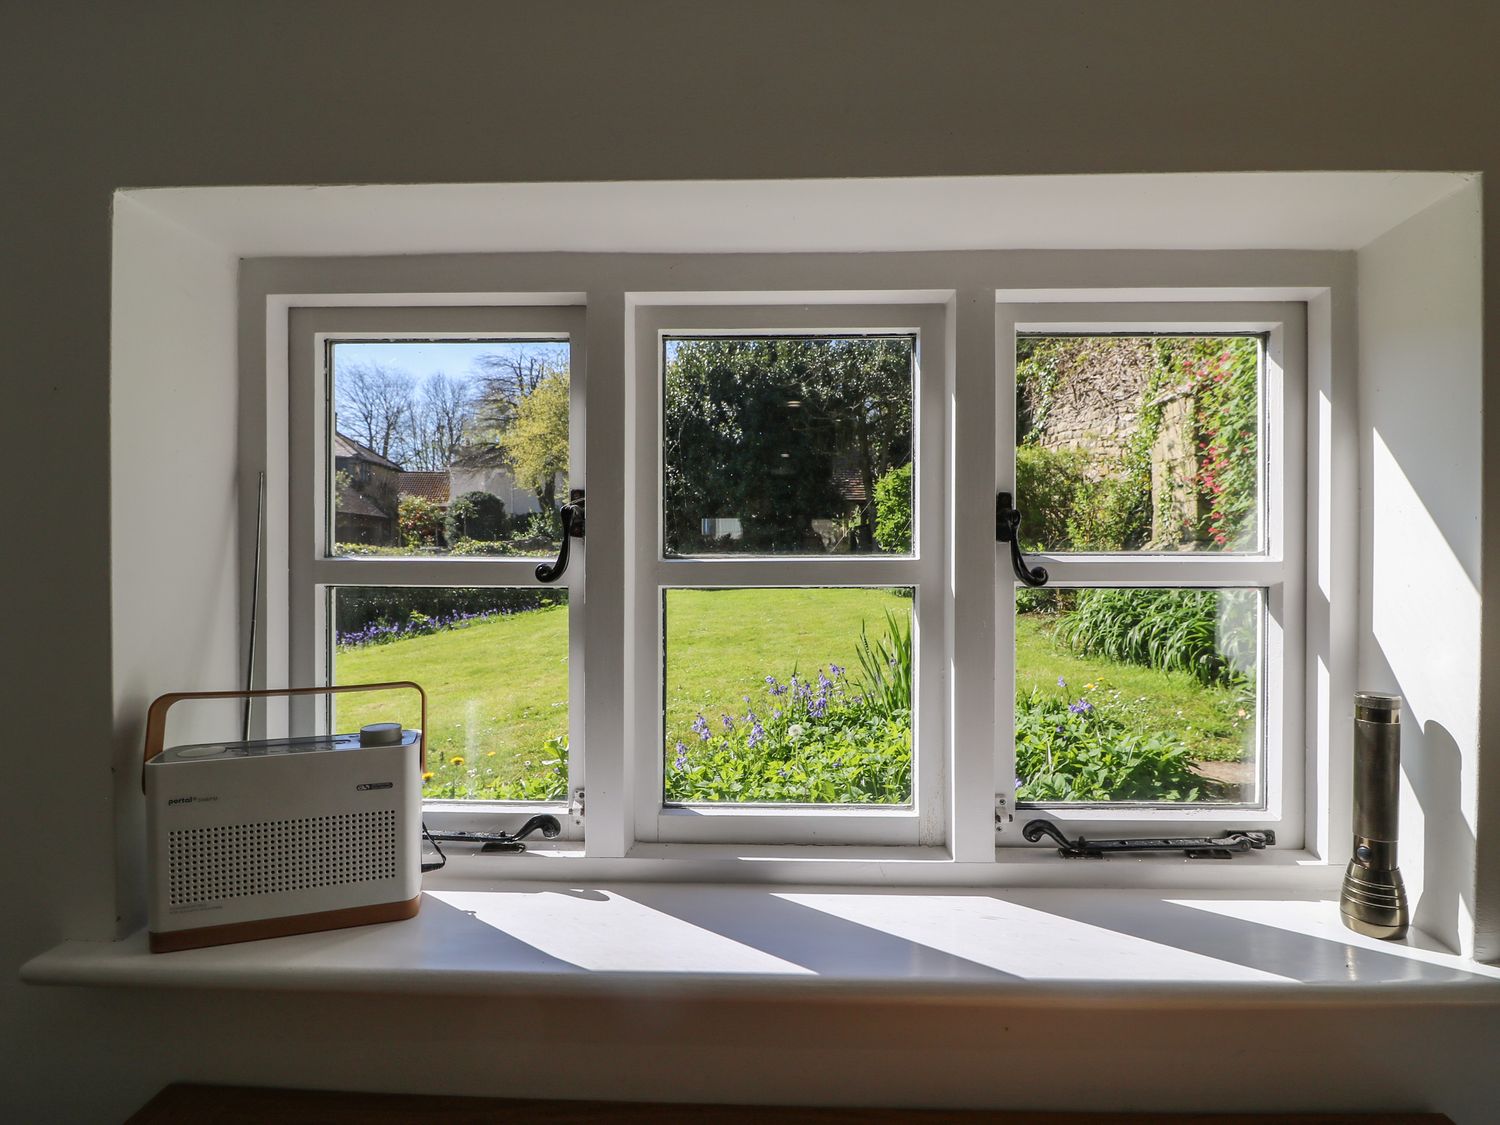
<point>421,358</point>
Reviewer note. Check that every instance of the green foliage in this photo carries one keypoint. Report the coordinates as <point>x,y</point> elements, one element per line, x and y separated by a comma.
<point>886,665</point>
<point>1064,509</point>
<point>893,510</point>
<point>419,521</point>
<point>1209,634</point>
<point>1089,752</point>
<point>761,429</point>
<point>1226,407</point>
<point>810,742</point>
<point>535,439</point>
<point>475,515</point>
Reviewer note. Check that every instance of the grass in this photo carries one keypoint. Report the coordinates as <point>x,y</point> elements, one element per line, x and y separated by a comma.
<point>722,644</point>
<point>498,689</point>
<point>1206,719</point>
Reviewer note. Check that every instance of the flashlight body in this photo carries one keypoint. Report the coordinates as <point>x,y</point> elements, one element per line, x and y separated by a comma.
<point>1373,901</point>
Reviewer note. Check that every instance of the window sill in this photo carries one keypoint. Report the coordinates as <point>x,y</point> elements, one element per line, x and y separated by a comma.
<point>1111,948</point>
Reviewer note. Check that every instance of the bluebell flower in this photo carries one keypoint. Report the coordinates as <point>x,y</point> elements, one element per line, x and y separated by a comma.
<point>700,727</point>
<point>728,723</point>
<point>836,669</point>
<point>681,761</point>
<point>757,732</point>
<point>1082,707</point>
<point>1061,682</point>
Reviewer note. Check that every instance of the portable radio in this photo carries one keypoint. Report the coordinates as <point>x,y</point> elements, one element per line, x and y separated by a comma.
<point>258,839</point>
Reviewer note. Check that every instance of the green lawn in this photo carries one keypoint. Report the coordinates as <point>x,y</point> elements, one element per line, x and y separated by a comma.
<point>1213,722</point>
<point>722,644</point>
<point>497,689</point>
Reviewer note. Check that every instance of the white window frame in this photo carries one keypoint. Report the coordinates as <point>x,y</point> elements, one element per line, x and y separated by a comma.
<point>921,824</point>
<point>968,290</point>
<point>315,571</point>
<point>1278,568</point>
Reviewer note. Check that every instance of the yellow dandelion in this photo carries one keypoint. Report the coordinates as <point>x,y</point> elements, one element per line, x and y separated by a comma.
<point>456,760</point>
<point>427,776</point>
<point>489,753</point>
<point>1089,687</point>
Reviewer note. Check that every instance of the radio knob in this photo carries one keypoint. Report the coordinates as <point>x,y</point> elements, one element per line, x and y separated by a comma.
<point>380,734</point>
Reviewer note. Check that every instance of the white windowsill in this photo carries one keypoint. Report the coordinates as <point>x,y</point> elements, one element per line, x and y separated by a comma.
<point>1086,948</point>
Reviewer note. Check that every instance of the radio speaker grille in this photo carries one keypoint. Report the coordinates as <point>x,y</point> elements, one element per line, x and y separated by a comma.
<point>243,860</point>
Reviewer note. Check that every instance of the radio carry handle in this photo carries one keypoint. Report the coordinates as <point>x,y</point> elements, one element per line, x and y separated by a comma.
<point>156,715</point>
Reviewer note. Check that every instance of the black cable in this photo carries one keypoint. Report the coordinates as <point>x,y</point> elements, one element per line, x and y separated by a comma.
<point>442,859</point>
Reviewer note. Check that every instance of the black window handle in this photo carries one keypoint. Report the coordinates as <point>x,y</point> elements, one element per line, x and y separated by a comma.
<point>1008,530</point>
<point>572,527</point>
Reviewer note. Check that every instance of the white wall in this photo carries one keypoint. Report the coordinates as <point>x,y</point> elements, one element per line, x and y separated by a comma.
<point>1420,501</point>
<point>100,97</point>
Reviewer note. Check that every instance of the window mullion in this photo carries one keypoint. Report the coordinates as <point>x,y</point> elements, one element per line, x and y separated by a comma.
<point>604,703</point>
<point>979,694</point>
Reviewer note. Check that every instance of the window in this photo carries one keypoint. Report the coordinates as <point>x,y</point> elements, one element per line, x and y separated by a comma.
<point>1158,475</point>
<point>773,634</point>
<point>789,553</point>
<point>436,444</point>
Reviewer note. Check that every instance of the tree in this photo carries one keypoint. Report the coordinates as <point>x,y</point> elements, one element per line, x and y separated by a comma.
<point>373,404</point>
<point>768,430</point>
<point>475,515</point>
<point>506,378</point>
<point>535,441</point>
<point>441,418</point>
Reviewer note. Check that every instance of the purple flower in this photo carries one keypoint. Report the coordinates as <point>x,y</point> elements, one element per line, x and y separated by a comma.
<point>700,727</point>
<point>836,669</point>
<point>1061,682</point>
<point>681,760</point>
<point>1082,707</point>
<point>728,723</point>
<point>757,732</point>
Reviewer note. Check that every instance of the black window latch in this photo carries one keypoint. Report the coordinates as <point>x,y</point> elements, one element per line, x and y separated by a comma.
<point>572,528</point>
<point>1008,530</point>
<point>1224,846</point>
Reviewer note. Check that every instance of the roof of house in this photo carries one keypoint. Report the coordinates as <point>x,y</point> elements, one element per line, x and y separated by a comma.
<point>851,486</point>
<point>432,486</point>
<point>352,503</point>
<point>346,446</point>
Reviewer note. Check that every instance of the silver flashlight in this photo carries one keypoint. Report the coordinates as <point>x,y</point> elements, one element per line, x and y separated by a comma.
<point>1374,897</point>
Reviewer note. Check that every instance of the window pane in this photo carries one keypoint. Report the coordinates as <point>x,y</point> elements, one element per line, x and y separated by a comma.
<point>1139,443</point>
<point>788,695</point>
<point>787,445</point>
<point>494,664</point>
<point>448,447</point>
<point>1138,695</point>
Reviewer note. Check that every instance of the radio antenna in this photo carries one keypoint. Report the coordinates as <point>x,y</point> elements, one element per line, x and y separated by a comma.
<point>260,534</point>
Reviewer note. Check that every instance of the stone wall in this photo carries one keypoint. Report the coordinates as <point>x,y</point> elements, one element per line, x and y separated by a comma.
<point>1090,398</point>
<point>1095,398</point>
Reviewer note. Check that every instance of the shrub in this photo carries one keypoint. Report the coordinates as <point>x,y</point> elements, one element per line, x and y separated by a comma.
<point>1083,751</point>
<point>397,609</point>
<point>475,515</point>
<point>419,521</point>
<point>1063,509</point>
<point>893,510</point>
<point>1206,633</point>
